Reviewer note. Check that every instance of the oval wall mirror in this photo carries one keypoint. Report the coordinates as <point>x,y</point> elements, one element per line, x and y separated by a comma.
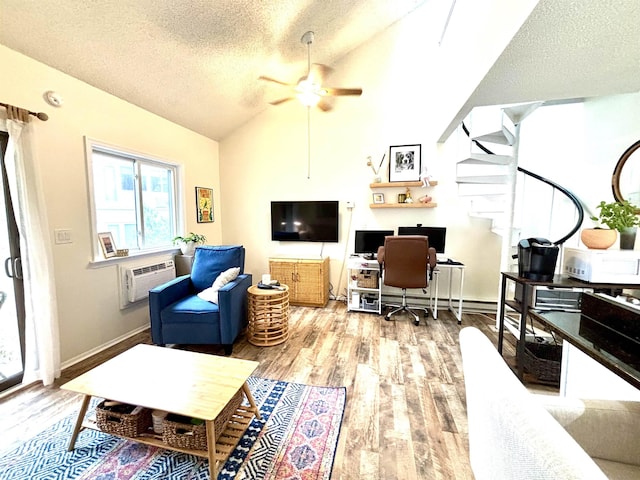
<point>625,181</point>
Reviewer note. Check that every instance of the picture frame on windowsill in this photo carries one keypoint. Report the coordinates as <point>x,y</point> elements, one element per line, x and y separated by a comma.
<point>107,244</point>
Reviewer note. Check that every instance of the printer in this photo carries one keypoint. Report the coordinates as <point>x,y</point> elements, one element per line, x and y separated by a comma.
<point>602,266</point>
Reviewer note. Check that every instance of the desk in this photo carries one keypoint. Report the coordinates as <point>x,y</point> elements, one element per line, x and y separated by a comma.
<point>433,290</point>
<point>523,307</point>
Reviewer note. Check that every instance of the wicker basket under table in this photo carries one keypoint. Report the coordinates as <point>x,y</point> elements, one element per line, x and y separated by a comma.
<point>194,437</point>
<point>130,424</point>
<point>543,361</point>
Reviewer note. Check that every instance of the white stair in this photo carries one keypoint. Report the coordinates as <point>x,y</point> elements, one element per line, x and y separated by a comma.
<point>484,158</point>
<point>489,180</point>
<point>488,206</point>
<point>485,179</point>
<point>502,137</point>
<point>517,113</point>
<point>481,189</point>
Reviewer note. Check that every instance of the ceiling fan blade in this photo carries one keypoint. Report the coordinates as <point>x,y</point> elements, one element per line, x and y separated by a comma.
<point>336,92</point>
<point>282,100</point>
<point>269,79</point>
<point>318,72</point>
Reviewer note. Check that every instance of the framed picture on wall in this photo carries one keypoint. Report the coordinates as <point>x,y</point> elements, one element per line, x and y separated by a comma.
<point>404,163</point>
<point>204,204</point>
<point>378,198</point>
<point>107,244</point>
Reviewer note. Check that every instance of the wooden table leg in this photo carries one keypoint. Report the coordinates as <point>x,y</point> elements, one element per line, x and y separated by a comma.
<point>252,402</point>
<point>78,427</point>
<point>211,448</point>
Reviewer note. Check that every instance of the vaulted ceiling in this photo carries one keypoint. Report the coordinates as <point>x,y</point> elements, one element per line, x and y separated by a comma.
<point>193,62</point>
<point>196,62</point>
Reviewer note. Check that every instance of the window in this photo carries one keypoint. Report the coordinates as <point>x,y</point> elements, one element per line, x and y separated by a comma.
<point>134,198</point>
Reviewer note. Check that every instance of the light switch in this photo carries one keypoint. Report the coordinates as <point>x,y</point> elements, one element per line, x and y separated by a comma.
<point>62,235</point>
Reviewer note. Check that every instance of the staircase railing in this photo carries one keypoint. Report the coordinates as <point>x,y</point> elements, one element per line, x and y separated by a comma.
<point>576,202</point>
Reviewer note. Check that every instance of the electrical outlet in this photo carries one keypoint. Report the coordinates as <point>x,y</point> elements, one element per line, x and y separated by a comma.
<point>62,235</point>
<point>350,205</point>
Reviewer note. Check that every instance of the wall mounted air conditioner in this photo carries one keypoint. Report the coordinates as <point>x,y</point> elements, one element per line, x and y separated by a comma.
<point>138,280</point>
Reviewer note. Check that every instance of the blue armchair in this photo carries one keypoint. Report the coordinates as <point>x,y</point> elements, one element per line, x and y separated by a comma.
<point>179,316</point>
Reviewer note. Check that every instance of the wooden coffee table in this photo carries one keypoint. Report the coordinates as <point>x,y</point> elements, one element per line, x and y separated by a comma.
<point>186,383</point>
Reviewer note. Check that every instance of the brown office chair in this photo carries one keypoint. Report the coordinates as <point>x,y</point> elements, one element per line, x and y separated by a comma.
<point>404,260</point>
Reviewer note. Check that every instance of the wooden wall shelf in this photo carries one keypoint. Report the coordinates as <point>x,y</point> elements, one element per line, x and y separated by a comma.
<point>404,205</point>
<point>432,183</point>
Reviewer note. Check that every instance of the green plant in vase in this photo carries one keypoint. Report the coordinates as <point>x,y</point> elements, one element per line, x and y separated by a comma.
<point>621,217</point>
<point>189,242</point>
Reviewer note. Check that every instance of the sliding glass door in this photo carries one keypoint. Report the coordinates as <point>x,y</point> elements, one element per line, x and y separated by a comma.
<point>11,287</point>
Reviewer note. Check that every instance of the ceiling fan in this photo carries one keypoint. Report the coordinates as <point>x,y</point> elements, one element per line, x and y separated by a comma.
<point>310,89</point>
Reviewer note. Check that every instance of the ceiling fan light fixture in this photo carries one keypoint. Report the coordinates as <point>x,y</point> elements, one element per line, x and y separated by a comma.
<point>309,89</point>
<point>308,98</point>
<point>308,92</point>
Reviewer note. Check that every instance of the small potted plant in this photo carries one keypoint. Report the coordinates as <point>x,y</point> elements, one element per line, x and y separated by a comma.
<point>619,217</point>
<point>188,242</point>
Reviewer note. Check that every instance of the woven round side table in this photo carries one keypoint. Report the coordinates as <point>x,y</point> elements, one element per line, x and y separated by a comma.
<point>268,316</point>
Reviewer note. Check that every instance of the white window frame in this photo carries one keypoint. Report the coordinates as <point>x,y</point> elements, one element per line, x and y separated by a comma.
<point>90,146</point>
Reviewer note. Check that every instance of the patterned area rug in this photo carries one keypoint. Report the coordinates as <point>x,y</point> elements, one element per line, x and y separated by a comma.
<point>296,439</point>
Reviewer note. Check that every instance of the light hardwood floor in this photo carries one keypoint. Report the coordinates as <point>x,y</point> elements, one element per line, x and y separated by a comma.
<point>405,414</point>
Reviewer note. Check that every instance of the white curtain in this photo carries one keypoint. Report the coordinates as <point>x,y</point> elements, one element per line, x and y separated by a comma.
<point>42,360</point>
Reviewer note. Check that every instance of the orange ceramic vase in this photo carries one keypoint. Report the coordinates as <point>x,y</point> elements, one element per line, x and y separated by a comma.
<point>598,238</point>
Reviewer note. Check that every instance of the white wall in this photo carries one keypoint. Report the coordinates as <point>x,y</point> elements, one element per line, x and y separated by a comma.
<point>403,72</point>
<point>412,87</point>
<point>578,145</point>
<point>88,304</point>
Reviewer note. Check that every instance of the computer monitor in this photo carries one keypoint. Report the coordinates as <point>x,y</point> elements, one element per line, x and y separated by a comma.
<point>368,241</point>
<point>437,235</point>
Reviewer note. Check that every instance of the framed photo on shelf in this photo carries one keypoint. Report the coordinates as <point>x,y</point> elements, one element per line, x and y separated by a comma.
<point>107,244</point>
<point>404,163</point>
<point>378,198</point>
<point>204,204</point>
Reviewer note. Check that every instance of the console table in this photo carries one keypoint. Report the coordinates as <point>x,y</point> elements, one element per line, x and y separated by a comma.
<point>568,325</point>
<point>524,308</point>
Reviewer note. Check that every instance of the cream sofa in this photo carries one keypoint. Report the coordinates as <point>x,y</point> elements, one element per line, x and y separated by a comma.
<point>514,434</point>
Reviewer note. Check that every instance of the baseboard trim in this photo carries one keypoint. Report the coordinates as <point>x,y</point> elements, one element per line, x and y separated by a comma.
<point>468,306</point>
<point>100,348</point>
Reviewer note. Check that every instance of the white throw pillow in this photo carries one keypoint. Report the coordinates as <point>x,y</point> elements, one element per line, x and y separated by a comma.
<point>211,294</point>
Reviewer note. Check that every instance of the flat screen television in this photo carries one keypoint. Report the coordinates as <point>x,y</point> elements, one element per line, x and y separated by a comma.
<point>305,221</point>
<point>437,235</point>
<point>368,241</point>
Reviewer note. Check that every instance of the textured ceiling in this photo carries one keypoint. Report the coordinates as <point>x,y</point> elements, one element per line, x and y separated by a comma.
<point>196,62</point>
<point>566,49</point>
<point>193,62</point>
